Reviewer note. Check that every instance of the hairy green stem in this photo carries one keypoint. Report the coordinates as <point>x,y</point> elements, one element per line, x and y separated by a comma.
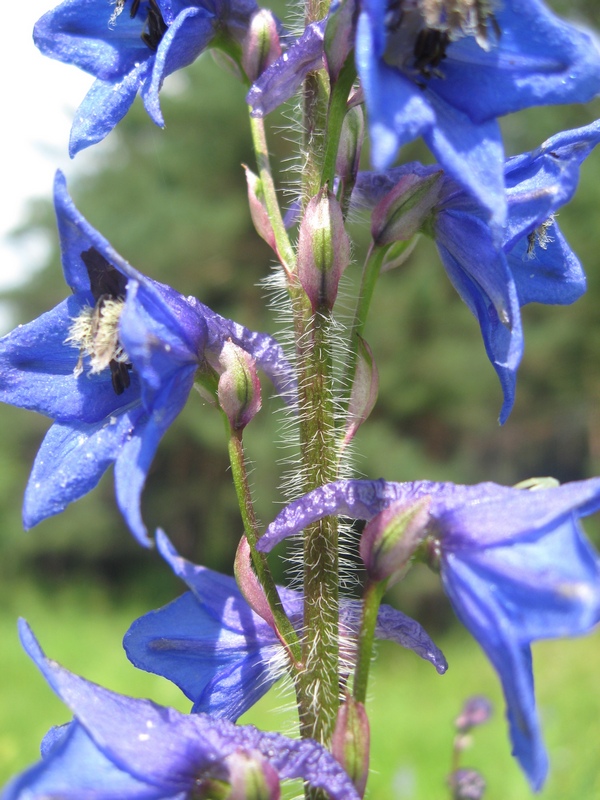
<point>317,685</point>
<point>316,104</point>
<point>259,560</point>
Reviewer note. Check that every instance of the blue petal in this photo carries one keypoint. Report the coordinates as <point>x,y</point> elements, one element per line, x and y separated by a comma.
<point>135,734</point>
<point>137,449</point>
<point>540,182</point>
<point>173,751</point>
<point>189,34</point>
<point>76,237</point>
<point>104,106</point>
<point>480,275</point>
<point>72,459</point>
<point>209,642</point>
<point>79,32</point>
<point>548,585</point>
<point>393,625</point>
<point>550,274</point>
<point>222,671</point>
<point>539,59</point>
<point>398,109</point>
<point>472,154</point>
<point>539,580</point>
<point>359,499</point>
<point>162,332</point>
<point>474,603</point>
<point>476,516</point>
<point>78,770</point>
<point>37,371</point>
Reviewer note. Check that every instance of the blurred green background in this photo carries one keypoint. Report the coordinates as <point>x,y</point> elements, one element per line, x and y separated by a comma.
<point>173,203</point>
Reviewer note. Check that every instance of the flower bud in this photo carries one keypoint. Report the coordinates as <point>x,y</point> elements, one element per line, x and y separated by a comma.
<point>403,210</point>
<point>466,784</point>
<point>250,587</point>
<point>389,539</point>
<point>475,711</point>
<point>364,391</point>
<point>323,249</point>
<point>261,46</point>
<point>258,209</point>
<point>351,141</point>
<point>350,743</point>
<point>239,387</point>
<point>338,41</point>
<point>252,777</point>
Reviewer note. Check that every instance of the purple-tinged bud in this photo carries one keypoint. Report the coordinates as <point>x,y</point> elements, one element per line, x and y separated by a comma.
<point>261,46</point>
<point>364,391</point>
<point>323,249</point>
<point>258,209</point>
<point>239,387</point>
<point>351,742</point>
<point>249,585</point>
<point>403,210</point>
<point>350,147</point>
<point>475,711</point>
<point>389,540</point>
<point>466,784</point>
<point>339,37</point>
<point>251,777</point>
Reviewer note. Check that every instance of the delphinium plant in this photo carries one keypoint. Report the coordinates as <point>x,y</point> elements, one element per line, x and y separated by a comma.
<point>114,364</point>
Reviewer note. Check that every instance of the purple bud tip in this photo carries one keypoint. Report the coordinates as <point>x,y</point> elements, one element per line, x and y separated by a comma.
<point>476,711</point>
<point>466,784</point>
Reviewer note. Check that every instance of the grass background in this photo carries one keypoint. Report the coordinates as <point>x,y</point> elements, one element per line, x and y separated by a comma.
<point>411,707</point>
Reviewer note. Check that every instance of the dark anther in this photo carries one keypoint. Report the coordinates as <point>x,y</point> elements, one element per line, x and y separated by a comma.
<point>119,373</point>
<point>155,26</point>
<point>430,49</point>
<point>104,278</point>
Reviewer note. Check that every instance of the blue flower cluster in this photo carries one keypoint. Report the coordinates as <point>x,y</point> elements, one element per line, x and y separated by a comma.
<point>114,364</point>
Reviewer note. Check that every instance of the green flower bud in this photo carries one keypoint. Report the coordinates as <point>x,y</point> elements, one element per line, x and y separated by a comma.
<point>323,249</point>
<point>261,46</point>
<point>403,210</point>
<point>239,387</point>
<point>351,742</point>
<point>390,539</point>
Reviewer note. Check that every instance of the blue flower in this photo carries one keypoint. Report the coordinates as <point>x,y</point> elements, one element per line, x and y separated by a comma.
<point>131,48</point>
<point>113,366</point>
<point>531,262</point>
<point>223,655</point>
<point>514,563</point>
<point>449,82</point>
<point>121,748</point>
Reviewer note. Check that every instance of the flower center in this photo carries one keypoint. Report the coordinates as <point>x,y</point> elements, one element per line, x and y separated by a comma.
<point>420,31</point>
<point>154,26</point>
<point>95,331</point>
